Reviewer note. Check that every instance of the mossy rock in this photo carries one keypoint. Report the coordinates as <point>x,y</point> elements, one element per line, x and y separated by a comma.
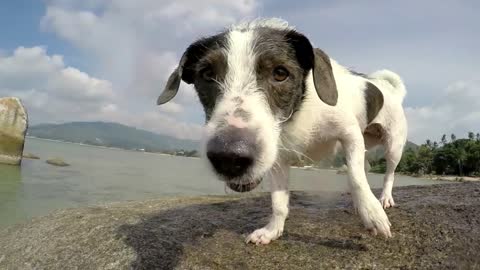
<point>30,156</point>
<point>57,162</point>
<point>13,127</point>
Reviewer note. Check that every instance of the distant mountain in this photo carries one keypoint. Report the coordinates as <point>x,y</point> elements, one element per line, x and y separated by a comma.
<point>110,135</point>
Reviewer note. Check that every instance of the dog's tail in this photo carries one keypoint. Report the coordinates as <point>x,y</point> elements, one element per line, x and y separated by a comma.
<point>393,79</point>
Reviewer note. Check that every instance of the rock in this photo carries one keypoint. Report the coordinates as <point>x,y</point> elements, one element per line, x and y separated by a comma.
<point>57,162</point>
<point>30,156</point>
<point>343,170</point>
<point>429,232</point>
<point>13,127</point>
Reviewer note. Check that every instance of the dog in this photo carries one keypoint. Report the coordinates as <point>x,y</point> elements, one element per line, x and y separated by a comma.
<point>269,97</point>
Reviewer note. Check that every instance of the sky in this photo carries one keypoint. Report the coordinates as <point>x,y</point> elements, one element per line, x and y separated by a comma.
<point>95,60</point>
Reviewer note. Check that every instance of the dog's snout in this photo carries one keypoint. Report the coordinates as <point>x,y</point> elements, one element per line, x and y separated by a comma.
<point>232,152</point>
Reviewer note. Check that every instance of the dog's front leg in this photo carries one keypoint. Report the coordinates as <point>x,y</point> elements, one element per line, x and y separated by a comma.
<point>369,208</point>
<point>279,188</point>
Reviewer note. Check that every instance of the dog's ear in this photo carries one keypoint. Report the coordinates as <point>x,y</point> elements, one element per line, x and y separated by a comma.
<point>319,63</point>
<point>323,78</point>
<point>186,68</point>
<point>173,82</point>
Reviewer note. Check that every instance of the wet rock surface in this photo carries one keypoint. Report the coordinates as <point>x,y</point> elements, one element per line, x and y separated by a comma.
<point>13,128</point>
<point>30,156</point>
<point>57,162</point>
<point>434,227</point>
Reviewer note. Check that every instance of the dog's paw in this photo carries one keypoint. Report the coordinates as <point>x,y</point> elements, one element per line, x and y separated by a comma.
<point>263,236</point>
<point>373,216</point>
<point>387,201</point>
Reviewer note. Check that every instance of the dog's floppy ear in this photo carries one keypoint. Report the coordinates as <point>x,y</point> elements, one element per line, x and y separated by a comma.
<point>186,67</point>
<point>319,63</point>
<point>173,82</point>
<point>323,78</point>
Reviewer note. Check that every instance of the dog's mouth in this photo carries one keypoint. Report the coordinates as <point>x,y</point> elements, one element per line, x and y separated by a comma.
<point>244,187</point>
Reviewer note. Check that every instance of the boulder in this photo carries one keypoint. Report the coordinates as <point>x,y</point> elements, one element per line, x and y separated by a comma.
<point>30,156</point>
<point>434,227</point>
<point>57,162</point>
<point>13,127</point>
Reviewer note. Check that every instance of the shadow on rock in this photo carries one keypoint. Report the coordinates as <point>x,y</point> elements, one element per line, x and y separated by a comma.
<point>160,239</point>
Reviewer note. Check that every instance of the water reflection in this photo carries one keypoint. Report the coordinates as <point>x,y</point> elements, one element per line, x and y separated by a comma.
<point>10,193</point>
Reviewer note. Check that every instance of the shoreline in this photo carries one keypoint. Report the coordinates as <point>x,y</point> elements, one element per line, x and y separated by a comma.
<point>452,178</point>
<point>103,147</point>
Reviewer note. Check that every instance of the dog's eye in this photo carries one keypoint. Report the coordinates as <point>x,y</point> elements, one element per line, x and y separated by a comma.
<point>280,74</point>
<point>207,74</point>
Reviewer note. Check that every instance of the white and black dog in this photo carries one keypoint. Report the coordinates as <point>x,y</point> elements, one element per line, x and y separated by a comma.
<point>270,96</point>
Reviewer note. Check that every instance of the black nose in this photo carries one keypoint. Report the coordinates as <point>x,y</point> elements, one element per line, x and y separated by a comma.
<point>232,152</point>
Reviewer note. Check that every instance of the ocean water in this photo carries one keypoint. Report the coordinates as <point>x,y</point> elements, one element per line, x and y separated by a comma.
<point>102,175</point>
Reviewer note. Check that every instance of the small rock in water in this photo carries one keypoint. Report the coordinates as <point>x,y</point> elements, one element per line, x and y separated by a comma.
<point>13,128</point>
<point>57,162</point>
<point>30,156</point>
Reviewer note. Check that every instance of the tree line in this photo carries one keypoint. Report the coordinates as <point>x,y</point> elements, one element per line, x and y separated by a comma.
<point>449,156</point>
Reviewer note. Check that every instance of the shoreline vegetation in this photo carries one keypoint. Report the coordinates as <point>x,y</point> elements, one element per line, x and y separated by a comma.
<point>448,160</point>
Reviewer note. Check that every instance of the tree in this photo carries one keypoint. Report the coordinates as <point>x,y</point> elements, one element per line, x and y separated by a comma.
<point>424,159</point>
<point>408,163</point>
<point>429,143</point>
<point>457,157</point>
<point>444,139</point>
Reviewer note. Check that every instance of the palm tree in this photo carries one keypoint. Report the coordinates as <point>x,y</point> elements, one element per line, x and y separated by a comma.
<point>444,139</point>
<point>429,143</point>
<point>453,137</point>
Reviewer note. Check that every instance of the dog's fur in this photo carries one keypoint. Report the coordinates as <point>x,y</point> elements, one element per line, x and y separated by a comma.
<point>320,106</point>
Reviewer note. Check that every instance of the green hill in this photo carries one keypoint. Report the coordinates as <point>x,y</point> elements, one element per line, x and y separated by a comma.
<point>110,135</point>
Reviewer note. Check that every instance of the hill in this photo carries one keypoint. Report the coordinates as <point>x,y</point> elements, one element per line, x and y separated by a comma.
<point>110,135</point>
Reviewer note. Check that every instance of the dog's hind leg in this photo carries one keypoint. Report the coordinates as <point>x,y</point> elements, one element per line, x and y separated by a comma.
<point>393,154</point>
<point>280,197</point>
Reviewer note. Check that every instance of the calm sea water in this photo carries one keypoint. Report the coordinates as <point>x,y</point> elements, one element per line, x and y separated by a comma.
<point>100,175</point>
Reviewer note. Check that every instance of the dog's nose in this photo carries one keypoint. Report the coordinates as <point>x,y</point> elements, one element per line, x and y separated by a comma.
<point>232,152</point>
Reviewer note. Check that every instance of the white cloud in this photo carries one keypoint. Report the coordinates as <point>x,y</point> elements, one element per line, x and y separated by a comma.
<point>171,108</point>
<point>53,92</point>
<point>135,45</point>
<point>45,83</point>
<point>455,110</point>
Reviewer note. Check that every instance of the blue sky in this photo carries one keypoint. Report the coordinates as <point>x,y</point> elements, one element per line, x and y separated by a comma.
<point>107,60</point>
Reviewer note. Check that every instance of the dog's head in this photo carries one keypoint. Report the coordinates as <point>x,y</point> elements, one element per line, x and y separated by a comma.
<point>250,80</point>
